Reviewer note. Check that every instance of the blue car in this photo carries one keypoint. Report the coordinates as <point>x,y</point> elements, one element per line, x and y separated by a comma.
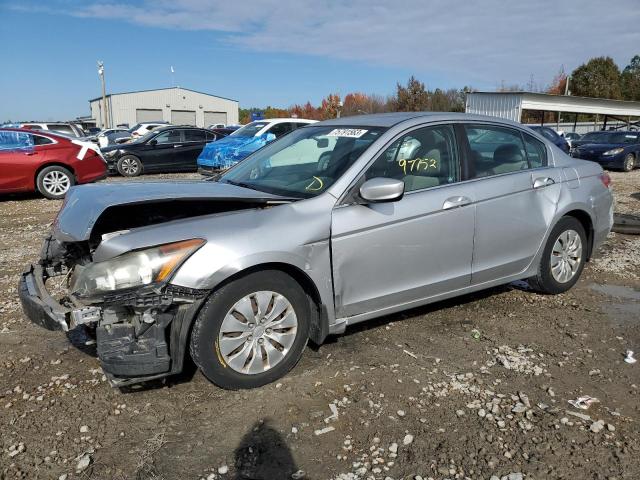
<point>228,151</point>
<point>553,136</point>
<point>619,150</point>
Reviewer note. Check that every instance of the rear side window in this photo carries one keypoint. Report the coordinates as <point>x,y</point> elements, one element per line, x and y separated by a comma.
<point>194,136</point>
<point>495,150</point>
<point>424,158</point>
<point>536,151</point>
<point>39,140</point>
<point>211,137</point>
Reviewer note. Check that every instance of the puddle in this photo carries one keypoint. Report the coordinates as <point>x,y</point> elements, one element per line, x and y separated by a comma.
<point>616,291</point>
<point>625,309</point>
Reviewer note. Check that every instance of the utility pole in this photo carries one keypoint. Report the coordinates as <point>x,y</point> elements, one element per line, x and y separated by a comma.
<point>105,109</point>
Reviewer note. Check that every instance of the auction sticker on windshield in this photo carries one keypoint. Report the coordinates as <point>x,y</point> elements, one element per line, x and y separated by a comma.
<point>346,132</point>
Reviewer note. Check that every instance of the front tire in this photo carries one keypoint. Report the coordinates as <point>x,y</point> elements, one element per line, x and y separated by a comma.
<point>251,331</point>
<point>629,162</point>
<point>129,166</point>
<point>54,182</point>
<point>563,258</point>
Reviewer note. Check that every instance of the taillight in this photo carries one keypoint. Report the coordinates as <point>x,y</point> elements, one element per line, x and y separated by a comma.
<point>605,179</point>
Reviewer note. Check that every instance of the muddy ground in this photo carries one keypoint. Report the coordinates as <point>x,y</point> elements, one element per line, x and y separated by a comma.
<point>469,388</point>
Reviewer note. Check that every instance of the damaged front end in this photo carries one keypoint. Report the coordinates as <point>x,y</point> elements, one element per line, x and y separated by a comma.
<point>140,328</point>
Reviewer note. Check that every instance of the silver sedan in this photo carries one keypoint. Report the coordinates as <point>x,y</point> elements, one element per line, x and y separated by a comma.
<point>333,224</point>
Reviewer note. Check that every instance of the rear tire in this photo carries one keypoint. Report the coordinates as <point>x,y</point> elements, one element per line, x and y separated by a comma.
<point>54,182</point>
<point>129,166</point>
<point>237,350</point>
<point>563,258</point>
<point>629,162</point>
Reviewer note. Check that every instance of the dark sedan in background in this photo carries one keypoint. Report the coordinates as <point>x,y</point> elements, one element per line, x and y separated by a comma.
<point>553,136</point>
<point>165,149</point>
<point>619,150</point>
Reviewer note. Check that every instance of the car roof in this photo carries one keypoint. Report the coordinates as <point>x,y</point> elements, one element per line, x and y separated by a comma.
<point>44,133</point>
<point>280,120</point>
<point>394,118</point>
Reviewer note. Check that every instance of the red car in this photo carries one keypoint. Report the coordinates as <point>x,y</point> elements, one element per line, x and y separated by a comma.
<point>46,162</point>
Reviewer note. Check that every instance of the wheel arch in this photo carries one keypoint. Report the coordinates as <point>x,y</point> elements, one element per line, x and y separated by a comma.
<point>585,219</point>
<point>54,163</point>
<point>319,328</point>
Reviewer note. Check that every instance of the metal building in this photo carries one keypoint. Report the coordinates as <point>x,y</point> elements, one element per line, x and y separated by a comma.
<point>176,105</point>
<point>511,104</point>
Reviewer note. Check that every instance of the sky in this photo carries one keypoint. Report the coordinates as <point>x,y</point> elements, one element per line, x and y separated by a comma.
<point>281,52</point>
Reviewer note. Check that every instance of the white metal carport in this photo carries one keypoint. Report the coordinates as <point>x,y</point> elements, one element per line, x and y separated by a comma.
<point>510,105</point>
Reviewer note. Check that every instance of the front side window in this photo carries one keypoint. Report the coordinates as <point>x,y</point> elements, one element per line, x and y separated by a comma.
<point>304,163</point>
<point>424,158</point>
<point>170,136</point>
<point>10,140</point>
<point>495,150</point>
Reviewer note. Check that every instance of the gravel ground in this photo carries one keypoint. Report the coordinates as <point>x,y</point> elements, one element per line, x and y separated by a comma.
<point>476,387</point>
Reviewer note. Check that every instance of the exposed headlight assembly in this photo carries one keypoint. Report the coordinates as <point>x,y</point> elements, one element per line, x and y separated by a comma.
<point>614,151</point>
<point>134,269</point>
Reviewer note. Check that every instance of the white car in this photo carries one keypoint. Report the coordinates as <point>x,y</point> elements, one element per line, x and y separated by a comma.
<point>140,129</point>
<point>69,129</point>
<point>108,135</point>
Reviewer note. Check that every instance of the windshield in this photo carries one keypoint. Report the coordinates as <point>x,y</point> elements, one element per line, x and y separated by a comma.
<point>250,129</point>
<point>305,162</point>
<point>611,137</point>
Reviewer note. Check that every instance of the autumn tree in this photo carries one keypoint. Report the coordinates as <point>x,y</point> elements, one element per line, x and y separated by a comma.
<point>599,77</point>
<point>630,80</point>
<point>412,98</point>
<point>558,84</point>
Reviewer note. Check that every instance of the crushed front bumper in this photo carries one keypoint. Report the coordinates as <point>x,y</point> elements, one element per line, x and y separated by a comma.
<point>138,337</point>
<point>41,308</point>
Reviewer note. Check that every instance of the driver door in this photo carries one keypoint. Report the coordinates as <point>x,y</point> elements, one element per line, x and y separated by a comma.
<point>400,253</point>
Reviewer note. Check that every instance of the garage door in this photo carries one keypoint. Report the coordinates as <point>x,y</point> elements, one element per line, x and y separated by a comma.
<point>214,117</point>
<point>183,117</point>
<point>148,115</point>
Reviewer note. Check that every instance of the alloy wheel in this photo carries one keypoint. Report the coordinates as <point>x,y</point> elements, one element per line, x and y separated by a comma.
<point>56,183</point>
<point>257,332</point>
<point>566,256</point>
<point>129,166</point>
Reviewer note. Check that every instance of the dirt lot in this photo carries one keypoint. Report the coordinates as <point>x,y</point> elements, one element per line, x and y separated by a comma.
<point>469,388</point>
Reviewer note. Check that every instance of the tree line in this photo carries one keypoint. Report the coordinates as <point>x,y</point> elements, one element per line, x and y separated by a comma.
<point>599,77</point>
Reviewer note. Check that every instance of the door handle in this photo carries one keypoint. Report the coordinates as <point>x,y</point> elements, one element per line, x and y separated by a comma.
<point>455,202</point>
<point>543,182</point>
<point>30,153</point>
<point>177,146</point>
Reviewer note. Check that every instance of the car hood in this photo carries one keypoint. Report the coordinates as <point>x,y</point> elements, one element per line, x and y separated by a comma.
<point>85,204</point>
<point>228,151</point>
<point>600,147</point>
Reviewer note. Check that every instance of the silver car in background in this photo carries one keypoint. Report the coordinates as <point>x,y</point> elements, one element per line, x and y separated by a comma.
<point>333,224</point>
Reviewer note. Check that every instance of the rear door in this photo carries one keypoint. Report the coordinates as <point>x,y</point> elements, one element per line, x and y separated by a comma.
<point>165,155</point>
<point>194,142</point>
<point>516,194</point>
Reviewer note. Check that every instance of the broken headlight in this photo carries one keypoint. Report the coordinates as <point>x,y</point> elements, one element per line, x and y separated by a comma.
<point>134,269</point>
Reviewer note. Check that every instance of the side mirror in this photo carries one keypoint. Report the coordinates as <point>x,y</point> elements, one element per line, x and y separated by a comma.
<point>322,142</point>
<point>270,137</point>
<point>378,190</point>
<point>153,142</point>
